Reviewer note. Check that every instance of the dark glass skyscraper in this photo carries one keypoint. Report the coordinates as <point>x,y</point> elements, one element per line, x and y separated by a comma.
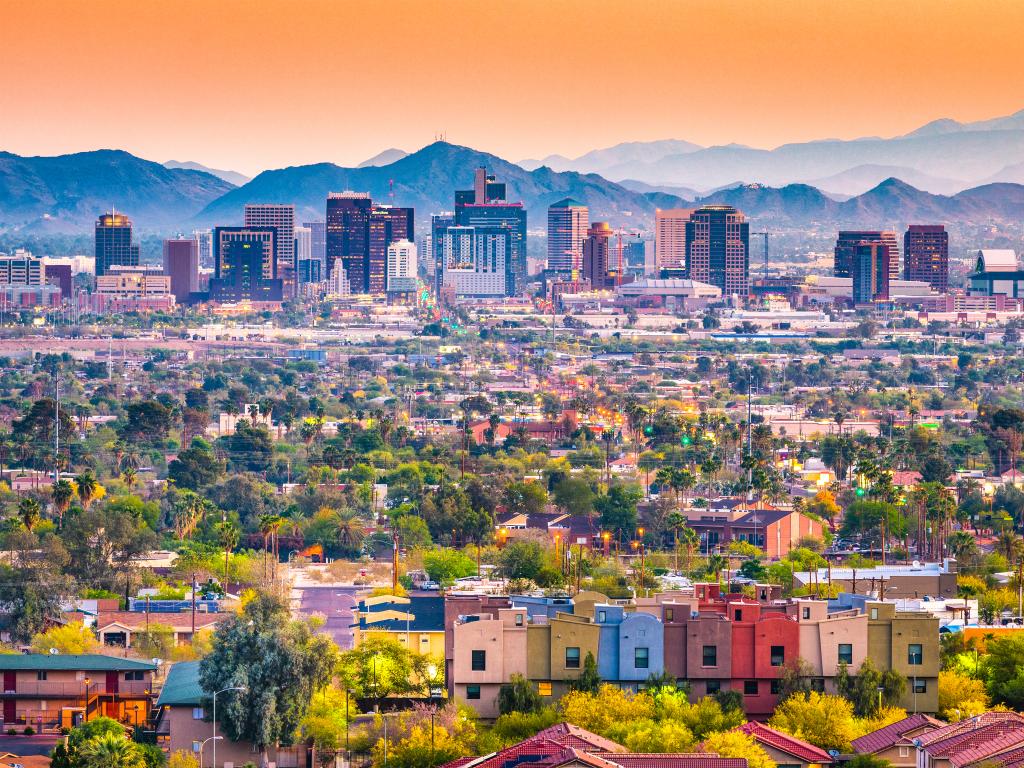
<point>718,248</point>
<point>870,271</point>
<point>926,255</point>
<point>359,233</point>
<point>387,225</point>
<point>245,260</point>
<point>846,245</point>
<point>114,243</point>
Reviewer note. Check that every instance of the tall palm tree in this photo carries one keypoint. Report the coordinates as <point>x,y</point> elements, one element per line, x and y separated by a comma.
<point>63,493</point>
<point>111,751</point>
<point>228,535</point>
<point>30,512</point>
<point>350,528</point>
<point>130,477</point>
<point>88,488</point>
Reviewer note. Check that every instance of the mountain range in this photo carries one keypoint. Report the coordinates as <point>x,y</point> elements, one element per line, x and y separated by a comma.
<point>234,178</point>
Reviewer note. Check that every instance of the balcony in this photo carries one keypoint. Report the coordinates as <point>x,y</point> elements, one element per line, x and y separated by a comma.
<point>75,689</point>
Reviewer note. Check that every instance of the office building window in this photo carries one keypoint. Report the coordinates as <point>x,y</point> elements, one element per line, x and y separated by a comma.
<point>641,658</point>
<point>544,688</point>
<point>915,654</point>
<point>479,661</point>
<point>572,658</point>
<point>846,653</point>
<point>750,687</point>
<point>778,655</point>
<point>713,686</point>
<point>710,656</point>
<point>472,691</point>
<point>920,686</point>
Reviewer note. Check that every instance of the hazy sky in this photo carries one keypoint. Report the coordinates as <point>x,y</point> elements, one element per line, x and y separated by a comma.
<point>267,83</point>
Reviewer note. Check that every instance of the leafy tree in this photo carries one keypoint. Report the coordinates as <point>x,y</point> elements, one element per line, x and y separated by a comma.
<point>446,565</point>
<point>105,546</point>
<point>524,498</point>
<point>196,467</point>
<point>1004,671</point>
<point>519,695</point>
<point>522,559</point>
<point>825,721</point>
<point>575,496</point>
<point>146,422</point>
<point>589,679</point>
<point>738,744</point>
<point>960,696</point>
<point>867,761</point>
<point>617,508</point>
<point>281,663</point>
<point>381,666</point>
<point>326,720</point>
<point>155,641</point>
<point>249,449</point>
<point>67,639</point>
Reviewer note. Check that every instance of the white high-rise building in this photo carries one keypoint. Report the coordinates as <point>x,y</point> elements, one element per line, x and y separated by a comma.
<point>338,285</point>
<point>282,218</point>
<point>303,243</point>
<point>204,239</point>
<point>402,260</point>
<point>474,260</point>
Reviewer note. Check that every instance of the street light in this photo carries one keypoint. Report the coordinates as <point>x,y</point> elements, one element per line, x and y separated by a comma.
<point>203,744</point>
<point>238,688</point>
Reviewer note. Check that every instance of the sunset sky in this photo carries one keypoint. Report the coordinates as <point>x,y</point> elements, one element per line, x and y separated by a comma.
<point>267,83</point>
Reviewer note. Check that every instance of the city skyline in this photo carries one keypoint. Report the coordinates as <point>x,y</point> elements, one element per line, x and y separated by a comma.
<point>539,46</point>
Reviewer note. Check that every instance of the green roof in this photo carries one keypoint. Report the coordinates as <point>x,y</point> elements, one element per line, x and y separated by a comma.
<point>88,662</point>
<point>182,686</point>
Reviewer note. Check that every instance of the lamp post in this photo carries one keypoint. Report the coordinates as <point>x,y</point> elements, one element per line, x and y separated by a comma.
<point>214,737</point>
<point>202,744</point>
<point>85,701</point>
<point>606,538</point>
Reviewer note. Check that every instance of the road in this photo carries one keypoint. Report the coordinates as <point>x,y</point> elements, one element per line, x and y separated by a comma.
<point>333,602</point>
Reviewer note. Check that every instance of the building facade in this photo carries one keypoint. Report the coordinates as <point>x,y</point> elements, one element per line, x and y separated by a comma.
<point>114,243</point>
<point>22,268</point>
<point>926,255</point>
<point>599,267</point>
<point>181,265</point>
<point>568,222</point>
<point>871,271</point>
<point>718,249</point>
<point>846,245</point>
<point>282,219</point>
<point>245,261</point>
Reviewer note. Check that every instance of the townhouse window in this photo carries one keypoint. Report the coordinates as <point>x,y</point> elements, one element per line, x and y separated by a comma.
<point>641,658</point>
<point>778,655</point>
<point>774,687</point>
<point>739,614</point>
<point>846,653</point>
<point>915,654</point>
<point>198,713</point>
<point>602,616</point>
<point>807,612</point>
<point>713,686</point>
<point>544,688</point>
<point>920,686</point>
<point>669,614</point>
<point>904,751</point>
<point>750,687</point>
<point>710,656</point>
<point>479,661</point>
<point>874,614</point>
<point>818,684</point>
<point>572,658</point>
<point>472,691</point>
<point>519,619</point>
<point>41,675</point>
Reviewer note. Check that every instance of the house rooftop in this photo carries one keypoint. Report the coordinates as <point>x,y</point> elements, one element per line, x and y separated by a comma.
<point>87,662</point>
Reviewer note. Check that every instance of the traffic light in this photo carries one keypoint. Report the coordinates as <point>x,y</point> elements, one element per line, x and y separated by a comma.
<point>648,430</point>
<point>686,440</point>
<point>859,492</point>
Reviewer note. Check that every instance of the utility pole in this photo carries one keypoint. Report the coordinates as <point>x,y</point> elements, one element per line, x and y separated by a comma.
<point>56,422</point>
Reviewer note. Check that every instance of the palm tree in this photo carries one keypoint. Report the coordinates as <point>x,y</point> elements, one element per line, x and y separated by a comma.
<point>350,528</point>
<point>130,477</point>
<point>228,535</point>
<point>88,488</point>
<point>111,751</point>
<point>30,512</point>
<point>63,493</point>
<point>716,564</point>
<point>691,540</point>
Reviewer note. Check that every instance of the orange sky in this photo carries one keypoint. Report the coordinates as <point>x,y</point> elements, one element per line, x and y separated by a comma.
<point>265,83</point>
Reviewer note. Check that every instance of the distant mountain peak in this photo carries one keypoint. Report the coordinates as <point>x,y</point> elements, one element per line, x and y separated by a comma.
<point>387,157</point>
<point>233,178</point>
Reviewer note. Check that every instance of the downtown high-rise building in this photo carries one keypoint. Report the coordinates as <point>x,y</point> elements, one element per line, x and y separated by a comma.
<point>568,222</point>
<point>358,233</point>
<point>670,238</point>
<point>204,242</point>
<point>846,245</point>
<point>317,239</point>
<point>245,265</point>
<point>114,243</point>
<point>402,266</point>
<point>870,271</point>
<point>926,255</point>
<point>600,267</point>
<point>181,264</point>
<point>282,219</point>
<point>485,209</point>
<point>718,249</point>
<point>439,223</point>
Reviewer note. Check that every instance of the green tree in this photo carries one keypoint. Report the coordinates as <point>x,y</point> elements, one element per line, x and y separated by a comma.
<point>519,695</point>
<point>617,508</point>
<point>110,751</point>
<point>381,666</point>
<point>446,565</point>
<point>589,679</point>
<point>522,559</point>
<point>1004,671</point>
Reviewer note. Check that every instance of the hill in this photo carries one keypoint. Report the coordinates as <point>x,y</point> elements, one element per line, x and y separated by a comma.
<point>67,192</point>
<point>234,178</point>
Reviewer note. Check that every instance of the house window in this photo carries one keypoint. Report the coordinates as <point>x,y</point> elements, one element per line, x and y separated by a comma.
<point>739,614</point>
<point>41,674</point>
<point>818,684</point>
<point>472,691</point>
<point>198,713</point>
<point>710,656</point>
<point>544,689</point>
<point>874,614</point>
<point>915,655</point>
<point>774,687</point>
<point>904,751</point>
<point>846,653</point>
<point>750,687</point>
<point>778,655</point>
<point>479,661</point>
<point>519,619</point>
<point>713,686</point>
<point>920,686</point>
<point>602,616</point>
<point>572,658</point>
<point>669,614</point>
<point>807,612</point>
<point>641,658</point>
<point>137,674</point>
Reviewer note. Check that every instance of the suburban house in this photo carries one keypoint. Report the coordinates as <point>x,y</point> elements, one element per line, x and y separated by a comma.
<point>116,628</point>
<point>59,690</point>
<point>182,723</point>
<point>895,742</point>
<point>416,622</point>
<point>787,751</point>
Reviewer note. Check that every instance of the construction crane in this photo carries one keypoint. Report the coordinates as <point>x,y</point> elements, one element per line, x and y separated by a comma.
<point>765,235</point>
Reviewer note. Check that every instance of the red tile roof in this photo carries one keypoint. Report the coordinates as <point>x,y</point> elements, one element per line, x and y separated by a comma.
<point>682,760</point>
<point>784,742</point>
<point>573,736</point>
<point>952,730</point>
<point>893,734</point>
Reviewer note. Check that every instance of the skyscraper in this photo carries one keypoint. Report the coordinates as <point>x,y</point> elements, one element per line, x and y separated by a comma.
<point>484,208</point>
<point>282,219</point>
<point>475,260</point>
<point>359,233</point>
<point>568,221</point>
<point>204,242</point>
<point>926,255</point>
<point>598,268</point>
<point>402,266</point>
<point>718,248</point>
<point>181,264</point>
<point>439,223</point>
<point>871,271</point>
<point>245,261</point>
<point>670,238</point>
<point>317,239</point>
<point>114,243</point>
<point>847,242</point>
